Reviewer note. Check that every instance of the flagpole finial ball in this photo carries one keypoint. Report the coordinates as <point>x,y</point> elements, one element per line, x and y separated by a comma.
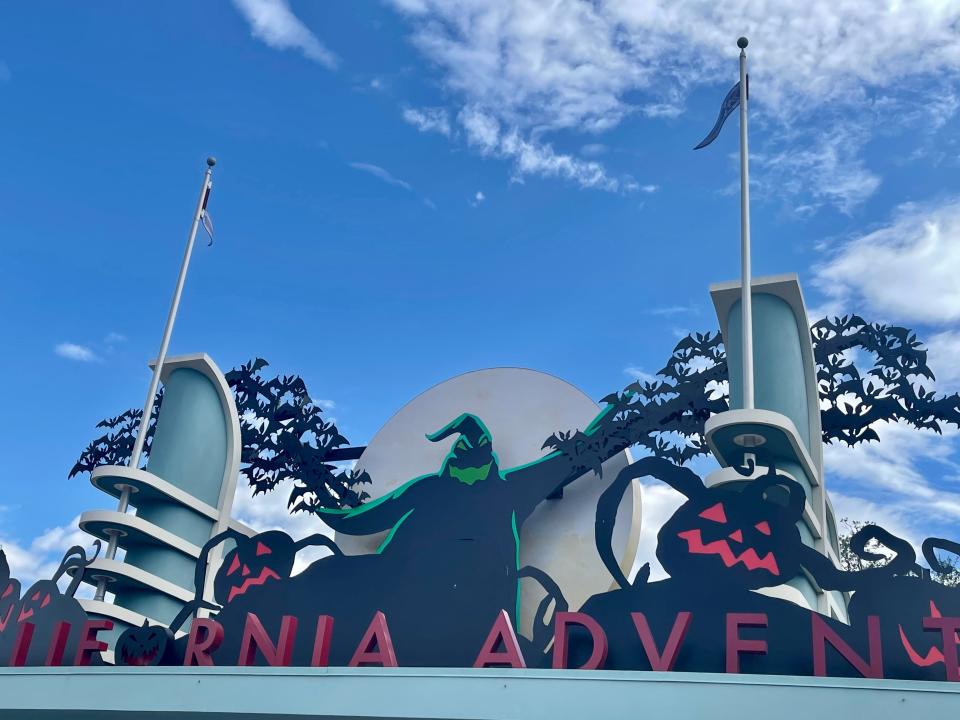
<point>211,161</point>
<point>742,42</point>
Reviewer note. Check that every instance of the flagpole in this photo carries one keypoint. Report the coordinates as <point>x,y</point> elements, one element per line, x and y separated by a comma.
<point>158,367</point>
<point>746,299</point>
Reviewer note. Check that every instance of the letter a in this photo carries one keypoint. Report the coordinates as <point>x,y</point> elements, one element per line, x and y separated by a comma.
<point>501,633</point>
<point>377,634</point>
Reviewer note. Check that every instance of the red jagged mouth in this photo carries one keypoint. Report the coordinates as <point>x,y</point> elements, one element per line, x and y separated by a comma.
<point>265,574</point>
<point>934,655</point>
<point>721,547</point>
<point>6,618</point>
<point>25,614</point>
<point>144,659</point>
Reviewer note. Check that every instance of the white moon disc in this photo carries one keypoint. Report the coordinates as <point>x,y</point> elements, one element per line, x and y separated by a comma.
<point>521,408</point>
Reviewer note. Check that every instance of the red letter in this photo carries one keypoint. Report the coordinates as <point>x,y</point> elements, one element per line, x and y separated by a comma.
<point>89,644</point>
<point>58,644</point>
<point>823,633</point>
<point>199,648</point>
<point>21,646</point>
<point>736,644</point>
<point>321,641</point>
<point>599,638</point>
<point>666,660</point>
<point>377,633</point>
<point>948,627</point>
<point>501,632</point>
<point>255,638</point>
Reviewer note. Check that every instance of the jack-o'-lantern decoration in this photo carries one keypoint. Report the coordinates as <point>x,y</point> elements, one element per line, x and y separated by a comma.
<point>254,562</point>
<point>742,534</point>
<point>9,595</point>
<point>146,646</point>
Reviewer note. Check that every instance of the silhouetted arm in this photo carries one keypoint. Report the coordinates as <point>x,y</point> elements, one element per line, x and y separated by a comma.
<point>374,516</point>
<point>532,483</point>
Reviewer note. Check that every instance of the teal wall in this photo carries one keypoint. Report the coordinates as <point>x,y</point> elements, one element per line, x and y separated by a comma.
<point>494,694</point>
<point>189,451</point>
<point>779,380</point>
<point>189,446</point>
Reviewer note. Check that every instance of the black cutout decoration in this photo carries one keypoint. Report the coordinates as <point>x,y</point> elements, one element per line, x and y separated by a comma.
<point>44,607</point>
<point>448,568</point>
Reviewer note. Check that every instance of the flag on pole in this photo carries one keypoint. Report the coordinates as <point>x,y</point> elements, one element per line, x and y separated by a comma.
<point>205,218</point>
<point>730,103</point>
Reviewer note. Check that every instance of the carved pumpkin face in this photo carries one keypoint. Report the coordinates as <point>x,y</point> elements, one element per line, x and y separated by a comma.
<point>910,599</point>
<point>745,536</point>
<point>255,561</point>
<point>42,599</point>
<point>9,600</point>
<point>149,645</point>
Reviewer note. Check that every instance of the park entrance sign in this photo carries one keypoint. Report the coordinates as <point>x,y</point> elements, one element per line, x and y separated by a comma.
<point>426,571</point>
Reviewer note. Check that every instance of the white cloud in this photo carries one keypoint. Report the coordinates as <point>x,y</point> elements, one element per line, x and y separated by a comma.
<point>380,173</point>
<point>483,132</point>
<point>39,558</point>
<point>659,503</point>
<point>535,67</point>
<point>572,64</point>
<point>593,149</point>
<point>640,374</point>
<point>888,473</point>
<point>430,119</point>
<point>273,22</point>
<point>943,357</point>
<point>649,188</point>
<point>72,351</point>
<point>478,198</point>
<point>821,166</point>
<point>905,271</point>
<point>269,512</point>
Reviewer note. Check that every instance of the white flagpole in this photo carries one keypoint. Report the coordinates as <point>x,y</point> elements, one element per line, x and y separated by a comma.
<point>158,368</point>
<point>745,288</point>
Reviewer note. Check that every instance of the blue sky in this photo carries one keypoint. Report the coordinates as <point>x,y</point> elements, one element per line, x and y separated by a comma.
<point>411,189</point>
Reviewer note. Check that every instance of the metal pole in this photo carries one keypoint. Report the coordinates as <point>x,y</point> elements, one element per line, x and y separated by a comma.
<point>746,304</point>
<point>158,368</point>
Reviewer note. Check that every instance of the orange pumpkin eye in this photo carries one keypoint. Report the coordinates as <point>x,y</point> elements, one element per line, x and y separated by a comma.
<point>235,565</point>
<point>262,549</point>
<point>714,513</point>
<point>763,527</point>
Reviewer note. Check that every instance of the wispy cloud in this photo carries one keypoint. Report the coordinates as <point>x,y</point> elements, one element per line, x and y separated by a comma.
<point>381,174</point>
<point>640,374</point>
<point>478,198</point>
<point>429,119</point>
<point>669,310</point>
<point>73,351</point>
<point>593,150</point>
<point>905,271</point>
<point>484,133</point>
<point>273,22</point>
<point>538,68</point>
<point>38,558</point>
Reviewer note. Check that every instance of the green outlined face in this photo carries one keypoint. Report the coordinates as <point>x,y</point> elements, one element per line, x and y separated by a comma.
<point>470,462</point>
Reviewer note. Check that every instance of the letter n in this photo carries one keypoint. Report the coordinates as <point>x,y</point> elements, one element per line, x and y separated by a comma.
<point>823,633</point>
<point>255,638</point>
